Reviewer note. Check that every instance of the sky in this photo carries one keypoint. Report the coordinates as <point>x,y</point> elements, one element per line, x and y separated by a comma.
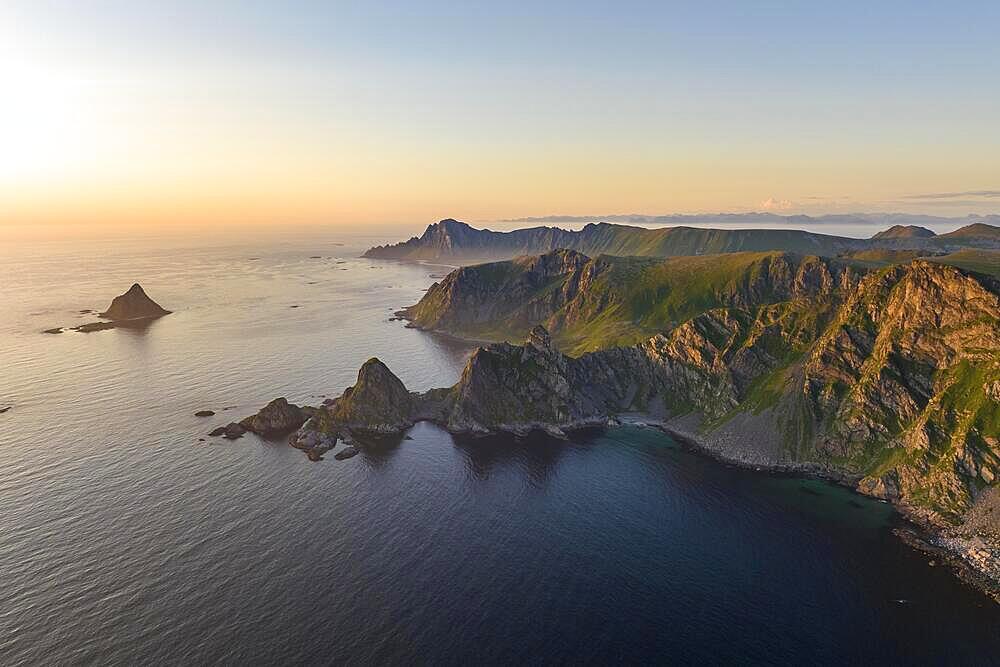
<point>179,115</point>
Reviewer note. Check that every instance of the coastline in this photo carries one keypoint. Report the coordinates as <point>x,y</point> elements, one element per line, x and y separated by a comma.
<point>969,558</point>
<point>921,533</point>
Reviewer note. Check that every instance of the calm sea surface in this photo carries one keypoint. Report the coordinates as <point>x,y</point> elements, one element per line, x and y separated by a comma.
<point>126,540</point>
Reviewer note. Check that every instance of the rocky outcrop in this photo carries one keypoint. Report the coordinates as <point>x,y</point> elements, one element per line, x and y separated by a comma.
<point>377,404</point>
<point>230,431</point>
<point>133,305</point>
<point>278,416</point>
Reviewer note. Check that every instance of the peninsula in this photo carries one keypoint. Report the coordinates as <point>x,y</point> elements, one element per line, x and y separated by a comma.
<point>885,378</point>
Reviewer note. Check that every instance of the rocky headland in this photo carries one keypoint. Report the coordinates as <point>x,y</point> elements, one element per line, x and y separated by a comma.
<point>886,380</point>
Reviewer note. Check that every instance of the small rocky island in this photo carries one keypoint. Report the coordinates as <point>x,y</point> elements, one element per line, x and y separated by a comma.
<point>134,308</point>
<point>134,304</point>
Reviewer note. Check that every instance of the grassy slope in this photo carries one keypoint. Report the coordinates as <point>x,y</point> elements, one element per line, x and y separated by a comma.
<point>631,298</point>
<point>649,297</point>
<point>986,262</point>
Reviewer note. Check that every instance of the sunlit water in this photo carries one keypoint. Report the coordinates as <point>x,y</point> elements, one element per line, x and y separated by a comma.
<point>124,539</point>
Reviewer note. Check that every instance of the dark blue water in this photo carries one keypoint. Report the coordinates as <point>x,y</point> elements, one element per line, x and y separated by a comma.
<point>126,540</point>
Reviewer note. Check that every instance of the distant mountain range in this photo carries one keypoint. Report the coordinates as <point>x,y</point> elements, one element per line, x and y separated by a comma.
<point>453,241</point>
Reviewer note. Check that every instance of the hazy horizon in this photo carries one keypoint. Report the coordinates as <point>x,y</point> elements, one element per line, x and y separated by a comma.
<point>391,232</point>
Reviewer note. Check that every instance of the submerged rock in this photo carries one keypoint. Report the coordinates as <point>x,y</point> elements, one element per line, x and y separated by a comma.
<point>346,453</point>
<point>133,305</point>
<point>204,413</point>
<point>230,431</point>
<point>95,326</point>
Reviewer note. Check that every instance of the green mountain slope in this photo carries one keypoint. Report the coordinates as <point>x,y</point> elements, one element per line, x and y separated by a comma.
<point>590,304</point>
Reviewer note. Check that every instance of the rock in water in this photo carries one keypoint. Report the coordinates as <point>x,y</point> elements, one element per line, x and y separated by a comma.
<point>133,305</point>
<point>378,403</point>
<point>278,416</point>
<point>230,431</point>
<point>204,413</point>
<point>346,453</point>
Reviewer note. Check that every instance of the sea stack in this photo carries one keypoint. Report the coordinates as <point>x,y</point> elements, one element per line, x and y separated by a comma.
<point>133,305</point>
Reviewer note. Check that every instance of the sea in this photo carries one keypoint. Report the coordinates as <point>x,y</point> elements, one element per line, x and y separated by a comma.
<point>130,537</point>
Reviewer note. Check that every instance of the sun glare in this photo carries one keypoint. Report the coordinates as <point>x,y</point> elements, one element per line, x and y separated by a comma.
<point>46,119</point>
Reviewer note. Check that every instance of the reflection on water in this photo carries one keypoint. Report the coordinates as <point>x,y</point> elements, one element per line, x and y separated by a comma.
<point>126,539</point>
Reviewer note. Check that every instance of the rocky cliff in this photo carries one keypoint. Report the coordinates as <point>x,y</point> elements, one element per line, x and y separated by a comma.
<point>889,381</point>
<point>590,304</point>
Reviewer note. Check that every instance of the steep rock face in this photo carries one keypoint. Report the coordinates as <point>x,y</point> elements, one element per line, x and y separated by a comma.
<point>592,304</point>
<point>377,404</point>
<point>517,388</point>
<point>891,382</point>
<point>903,381</point>
<point>278,416</point>
<point>133,305</point>
<point>519,292</point>
<point>892,378</point>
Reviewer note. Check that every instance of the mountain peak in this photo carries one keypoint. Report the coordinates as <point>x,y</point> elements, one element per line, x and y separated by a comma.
<point>904,232</point>
<point>134,304</point>
<point>976,229</point>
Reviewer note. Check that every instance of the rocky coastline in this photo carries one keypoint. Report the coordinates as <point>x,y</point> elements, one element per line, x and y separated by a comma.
<point>887,382</point>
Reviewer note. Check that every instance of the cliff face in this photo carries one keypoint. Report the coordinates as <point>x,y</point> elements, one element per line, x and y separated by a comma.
<point>889,380</point>
<point>904,381</point>
<point>454,241</point>
<point>377,403</point>
<point>590,304</point>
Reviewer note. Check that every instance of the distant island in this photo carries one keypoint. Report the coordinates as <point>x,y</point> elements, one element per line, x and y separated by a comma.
<point>453,241</point>
<point>133,309</point>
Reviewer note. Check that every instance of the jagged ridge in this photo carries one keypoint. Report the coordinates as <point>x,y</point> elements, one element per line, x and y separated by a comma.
<point>454,241</point>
